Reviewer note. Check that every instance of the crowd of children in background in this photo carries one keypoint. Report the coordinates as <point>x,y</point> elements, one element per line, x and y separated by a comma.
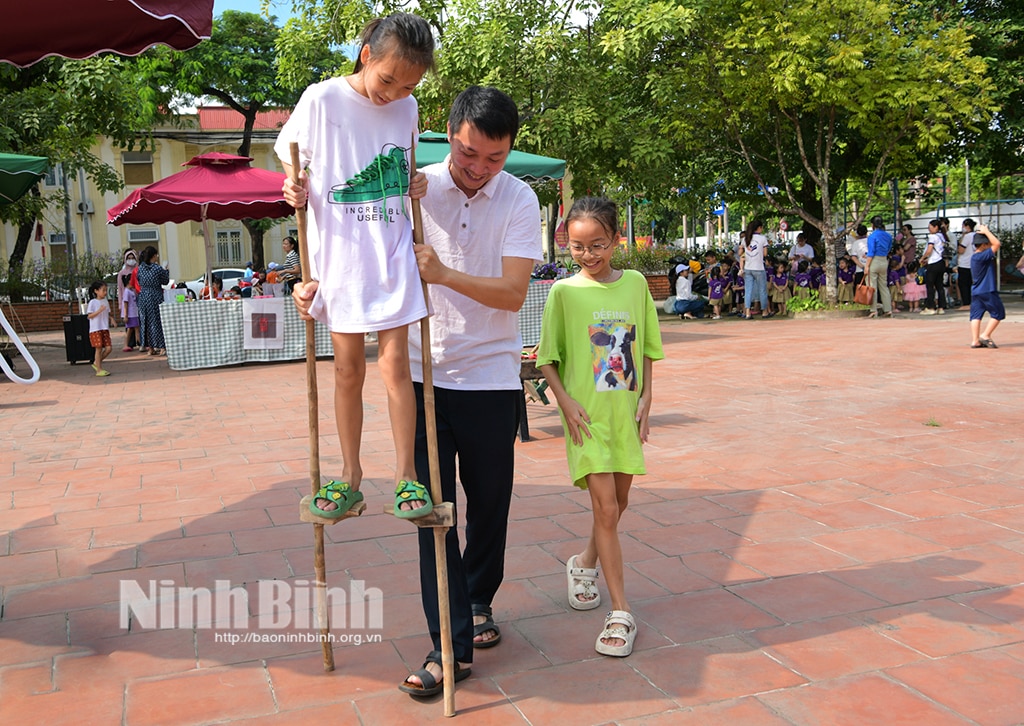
<point>797,277</point>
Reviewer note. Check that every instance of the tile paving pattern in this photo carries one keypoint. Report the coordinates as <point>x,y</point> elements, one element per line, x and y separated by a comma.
<point>831,532</point>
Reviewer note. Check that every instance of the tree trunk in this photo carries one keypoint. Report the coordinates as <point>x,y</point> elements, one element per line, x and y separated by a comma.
<point>16,261</point>
<point>256,232</point>
<point>811,203</point>
<point>831,286</point>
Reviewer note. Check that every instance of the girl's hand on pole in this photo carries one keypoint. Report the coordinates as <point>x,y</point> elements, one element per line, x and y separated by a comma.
<point>296,194</point>
<point>302,294</point>
<point>418,186</point>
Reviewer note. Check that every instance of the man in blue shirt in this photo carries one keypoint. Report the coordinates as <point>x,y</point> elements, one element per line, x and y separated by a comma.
<point>876,266</point>
<point>984,296</point>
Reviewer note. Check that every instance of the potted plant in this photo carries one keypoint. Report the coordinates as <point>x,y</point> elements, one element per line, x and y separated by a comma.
<point>652,262</point>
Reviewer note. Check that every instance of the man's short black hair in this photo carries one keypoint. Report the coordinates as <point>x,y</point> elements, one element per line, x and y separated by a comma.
<point>877,222</point>
<point>491,111</point>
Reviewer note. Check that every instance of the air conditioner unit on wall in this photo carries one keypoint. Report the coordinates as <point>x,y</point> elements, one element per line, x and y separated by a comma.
<point>85,207</point>
<point>151,234</point>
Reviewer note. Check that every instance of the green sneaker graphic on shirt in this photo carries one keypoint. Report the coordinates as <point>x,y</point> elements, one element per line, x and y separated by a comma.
<point>386,176</point>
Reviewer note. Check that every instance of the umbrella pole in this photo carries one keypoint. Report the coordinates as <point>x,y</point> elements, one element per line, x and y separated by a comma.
<point>440,529</point>
<point>208,248</point>
<point>319,563</point>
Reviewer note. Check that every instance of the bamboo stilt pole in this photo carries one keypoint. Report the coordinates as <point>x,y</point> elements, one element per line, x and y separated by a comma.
<point>319,563</point>
<point>440,548</point>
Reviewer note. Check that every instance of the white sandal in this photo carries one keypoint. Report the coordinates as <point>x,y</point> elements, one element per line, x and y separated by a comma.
<point>582,581</point>
<point>617,624</point>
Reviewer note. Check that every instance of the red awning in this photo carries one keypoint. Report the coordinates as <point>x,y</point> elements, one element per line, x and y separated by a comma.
<point>37,29</point>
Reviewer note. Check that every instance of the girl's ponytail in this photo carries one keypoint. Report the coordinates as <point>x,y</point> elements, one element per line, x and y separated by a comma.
<point>748,233</point>
<point>366,39</point>
<point>404,34</point>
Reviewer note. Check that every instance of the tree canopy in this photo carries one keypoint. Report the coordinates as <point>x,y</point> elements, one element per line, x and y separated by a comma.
<point>674,101</point>
<point>238,66</point>
<point>58,109</point>
<point>769,104</point>
<point>997,35</point>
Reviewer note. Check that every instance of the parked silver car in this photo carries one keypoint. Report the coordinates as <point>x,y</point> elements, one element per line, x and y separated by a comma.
<point>229,275</point>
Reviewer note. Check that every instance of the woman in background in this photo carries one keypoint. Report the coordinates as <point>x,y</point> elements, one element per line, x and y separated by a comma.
<point>152,278</point>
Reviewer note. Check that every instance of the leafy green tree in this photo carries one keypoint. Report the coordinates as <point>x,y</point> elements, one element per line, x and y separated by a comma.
<point>528,48</point>
<point>58,109</point>
<point>520,46</point>
<point>310,46</point>
<point>997,28</point>
<point>806,95</point>
<point>238,67</point>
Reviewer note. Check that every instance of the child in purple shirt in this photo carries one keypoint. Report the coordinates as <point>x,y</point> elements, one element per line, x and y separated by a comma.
<point>802,281</point>
<point>894,282</point>
<point>737,288</point>
<point>716,291</point>
<point>778,287</point>
<point>817,275</point>
<point>844,275</point>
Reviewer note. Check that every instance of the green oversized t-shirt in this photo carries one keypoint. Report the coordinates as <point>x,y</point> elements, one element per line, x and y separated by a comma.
<point>598,334</point>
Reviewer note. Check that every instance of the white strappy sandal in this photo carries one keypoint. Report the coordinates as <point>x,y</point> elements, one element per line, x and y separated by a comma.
<point>582,582</point>
<point>617,624</point>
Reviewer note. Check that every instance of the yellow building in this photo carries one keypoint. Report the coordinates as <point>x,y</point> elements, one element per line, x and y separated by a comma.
<point>180,245</point>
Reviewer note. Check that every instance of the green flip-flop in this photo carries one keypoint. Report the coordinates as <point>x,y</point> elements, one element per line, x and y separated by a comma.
<point>338,492</point>
<point>412,491</point>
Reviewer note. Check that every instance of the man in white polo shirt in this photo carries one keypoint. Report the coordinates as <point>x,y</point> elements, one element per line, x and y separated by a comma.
<point>482,228</point>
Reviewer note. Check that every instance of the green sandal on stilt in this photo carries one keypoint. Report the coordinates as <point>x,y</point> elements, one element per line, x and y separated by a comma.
<point>412,491</point>
<point>338,492</point>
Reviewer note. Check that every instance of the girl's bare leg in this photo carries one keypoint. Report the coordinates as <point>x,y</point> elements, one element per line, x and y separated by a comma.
<point>101,355</point>
<point>349,374</point>
<point>609,496</point>
<point>393,360</point>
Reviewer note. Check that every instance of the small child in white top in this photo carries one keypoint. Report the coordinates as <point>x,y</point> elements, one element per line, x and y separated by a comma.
<point>129,312</point>
<point>98,313</point>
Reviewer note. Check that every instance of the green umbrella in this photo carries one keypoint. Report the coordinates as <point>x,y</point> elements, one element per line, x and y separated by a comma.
<point>433,148</point>
<point>18,174</point>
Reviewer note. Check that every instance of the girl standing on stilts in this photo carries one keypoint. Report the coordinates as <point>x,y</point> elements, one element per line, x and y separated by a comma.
<point>353,135</point>
<point>599,338</point>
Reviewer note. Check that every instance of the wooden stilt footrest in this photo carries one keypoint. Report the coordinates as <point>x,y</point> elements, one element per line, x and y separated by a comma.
<point>442,515</point>
<point>306,515</point>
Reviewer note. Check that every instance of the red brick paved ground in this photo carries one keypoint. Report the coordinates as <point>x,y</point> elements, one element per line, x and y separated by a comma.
<point>831,532</point>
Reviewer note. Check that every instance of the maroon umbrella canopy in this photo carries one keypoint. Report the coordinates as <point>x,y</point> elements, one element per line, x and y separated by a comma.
<point>36,29</point>
<point>215,186</point>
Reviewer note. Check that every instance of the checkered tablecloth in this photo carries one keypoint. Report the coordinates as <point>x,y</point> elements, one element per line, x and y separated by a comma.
<point>209,333</point>
<point>533,310</point>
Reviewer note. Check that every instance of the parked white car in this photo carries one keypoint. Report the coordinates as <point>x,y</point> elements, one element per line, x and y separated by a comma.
<point>229,275</point>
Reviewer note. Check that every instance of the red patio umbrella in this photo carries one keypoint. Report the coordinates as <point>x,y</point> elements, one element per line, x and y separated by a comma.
<point>78,29</point>
<point>215,186</point>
